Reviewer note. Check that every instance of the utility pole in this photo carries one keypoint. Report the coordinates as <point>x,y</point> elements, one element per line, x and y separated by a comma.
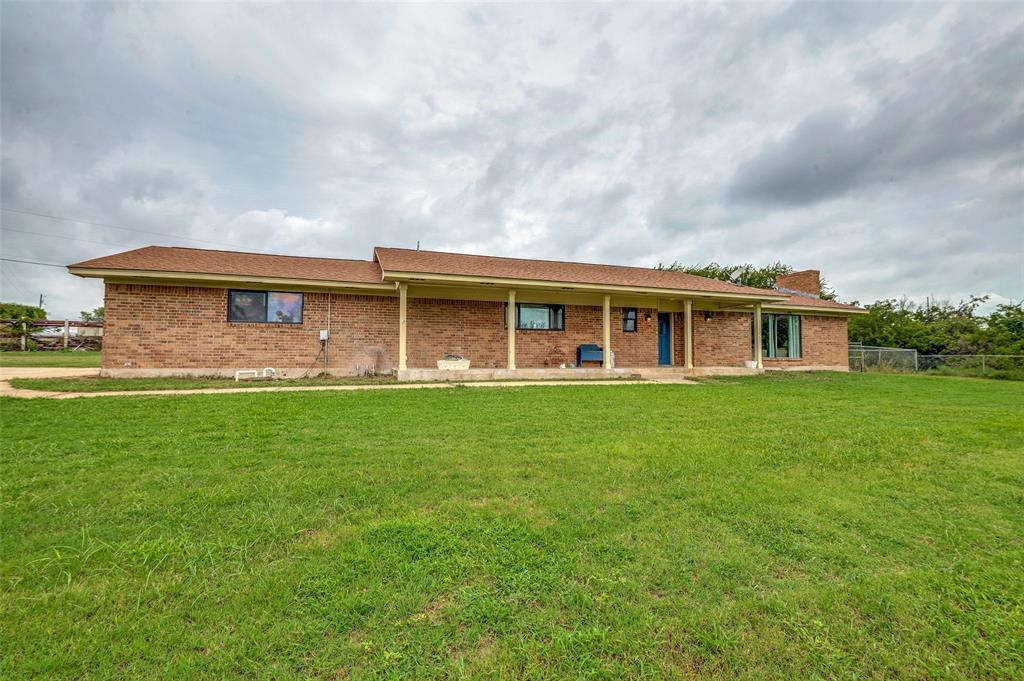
<point>40,301</point>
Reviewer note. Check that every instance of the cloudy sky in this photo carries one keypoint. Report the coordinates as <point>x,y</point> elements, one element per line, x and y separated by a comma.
<point>882,144</point>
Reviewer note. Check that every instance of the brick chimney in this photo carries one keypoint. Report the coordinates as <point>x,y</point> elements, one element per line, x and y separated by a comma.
<point>806,281</point>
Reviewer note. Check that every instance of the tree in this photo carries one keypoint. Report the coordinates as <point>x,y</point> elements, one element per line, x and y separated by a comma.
<point>21,312</point>
<point>743,275</point>
<point>890,324</point>
<point>19,333</point>
<point>1006,329</point>
<point>96,315</point>
<point>941,328</point>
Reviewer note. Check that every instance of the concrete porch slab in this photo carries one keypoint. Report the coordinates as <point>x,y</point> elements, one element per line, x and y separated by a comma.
<point>499,374</point>
<point>547,374</point>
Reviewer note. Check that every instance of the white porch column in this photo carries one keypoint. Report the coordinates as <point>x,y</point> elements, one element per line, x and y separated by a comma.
<point>607,360</point>
<point>403,291</point>
<point>688,334</point>
<point>757,336</point>
<point>510,320</point>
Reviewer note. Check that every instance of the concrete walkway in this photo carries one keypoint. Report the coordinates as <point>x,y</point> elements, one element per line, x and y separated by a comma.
<point>7,373</point>
<point>7,391</point>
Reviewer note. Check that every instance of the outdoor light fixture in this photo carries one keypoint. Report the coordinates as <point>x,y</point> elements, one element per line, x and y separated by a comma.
<point>647,317</point>
<point>708,314</point>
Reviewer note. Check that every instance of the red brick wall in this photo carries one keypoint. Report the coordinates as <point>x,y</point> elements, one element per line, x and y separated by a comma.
<point>724,340</point>
<point>823,342</point>
<point>679,339</point>
<point>174,327</point>
<point>364,332</point>
<point>471,328</point>
<point>476,330</point>
<point>583,325</point>
<point>808,281</point>
<point>639,349</point>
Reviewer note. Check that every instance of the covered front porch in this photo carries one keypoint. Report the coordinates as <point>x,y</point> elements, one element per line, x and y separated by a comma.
<point>533,331</point>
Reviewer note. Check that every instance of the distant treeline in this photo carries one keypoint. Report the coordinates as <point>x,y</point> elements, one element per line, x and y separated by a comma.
<point>941,328</point>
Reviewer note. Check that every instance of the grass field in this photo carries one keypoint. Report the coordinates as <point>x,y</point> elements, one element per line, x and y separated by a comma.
<point>790,526</point>
<point>96,384</point>
<point>74,359</point>
<point>91,384</point>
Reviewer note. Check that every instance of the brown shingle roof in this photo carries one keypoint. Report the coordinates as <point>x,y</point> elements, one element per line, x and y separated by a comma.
<point>202,261</point>
<point>435,262</point>
<point>798,300</point>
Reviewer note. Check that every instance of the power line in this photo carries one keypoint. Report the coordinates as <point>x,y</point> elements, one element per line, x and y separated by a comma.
<point>61,236</point>
<point>62,218</point>
<point>34,262</point>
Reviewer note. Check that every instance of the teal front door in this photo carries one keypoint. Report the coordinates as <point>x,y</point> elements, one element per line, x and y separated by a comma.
<point>664,339</point>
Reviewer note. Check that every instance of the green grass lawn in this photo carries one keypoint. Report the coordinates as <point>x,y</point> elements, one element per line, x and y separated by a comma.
<point>788,526</point>
<point>56,358</point>
<point>94,384</point>
<point>98,384</point>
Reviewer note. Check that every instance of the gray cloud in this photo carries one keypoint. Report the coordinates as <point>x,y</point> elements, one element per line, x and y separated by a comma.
<point>881,143</point>
<point>969,110</point>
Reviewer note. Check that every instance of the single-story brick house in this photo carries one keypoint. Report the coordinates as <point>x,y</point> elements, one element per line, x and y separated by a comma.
<point>185,311</point>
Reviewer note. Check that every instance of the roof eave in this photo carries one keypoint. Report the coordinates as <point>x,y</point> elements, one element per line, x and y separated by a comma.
<point>815,309</point>
<point>808,309</point>
<point>114,273</point>
<point>571,286</point>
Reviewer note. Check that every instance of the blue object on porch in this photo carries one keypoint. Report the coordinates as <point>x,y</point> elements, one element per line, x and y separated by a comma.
<point>588,352</point>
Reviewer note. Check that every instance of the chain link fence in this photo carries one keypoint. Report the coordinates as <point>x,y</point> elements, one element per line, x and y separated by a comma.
<point>875,358</point>
<point>1004,366</point>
